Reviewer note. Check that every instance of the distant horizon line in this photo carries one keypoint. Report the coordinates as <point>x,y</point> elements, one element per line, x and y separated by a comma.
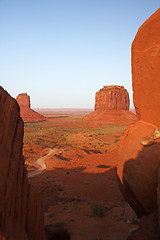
<point>70,109</point>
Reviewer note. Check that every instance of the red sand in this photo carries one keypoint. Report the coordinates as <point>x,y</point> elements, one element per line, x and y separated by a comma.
<point>74,180</point>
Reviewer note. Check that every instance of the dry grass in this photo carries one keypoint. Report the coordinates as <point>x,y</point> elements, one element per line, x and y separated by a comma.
<point>42,135</point>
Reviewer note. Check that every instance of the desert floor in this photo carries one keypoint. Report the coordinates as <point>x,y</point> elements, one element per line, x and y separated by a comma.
<point>79,187</point>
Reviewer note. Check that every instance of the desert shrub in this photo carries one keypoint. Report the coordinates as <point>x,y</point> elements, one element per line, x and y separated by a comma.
<point>96,210</point>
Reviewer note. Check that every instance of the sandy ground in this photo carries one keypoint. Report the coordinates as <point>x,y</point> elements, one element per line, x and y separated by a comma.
<point>81,190</point>
<point>77,180</point>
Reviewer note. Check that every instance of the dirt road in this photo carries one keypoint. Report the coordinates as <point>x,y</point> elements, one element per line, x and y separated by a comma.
<point>41,163</point>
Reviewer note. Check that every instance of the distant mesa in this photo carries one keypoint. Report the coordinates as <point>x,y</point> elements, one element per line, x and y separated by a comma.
<point>27,114</point>
<point>112,106</point>
<point>112,98</point>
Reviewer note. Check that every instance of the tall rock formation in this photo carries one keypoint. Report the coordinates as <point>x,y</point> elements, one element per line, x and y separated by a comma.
<point>146,70</point>
<point>27,114</point>
<point>112,106</point>
<point>21,215</point>
<point>139,165</point>
<point>112,98</point>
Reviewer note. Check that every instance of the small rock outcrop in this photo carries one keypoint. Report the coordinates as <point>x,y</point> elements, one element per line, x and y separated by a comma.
<point>27,114</point>
<point>139,166</point>
<point>21,214</point>
<point>112,98</point>
<point>112,106</point>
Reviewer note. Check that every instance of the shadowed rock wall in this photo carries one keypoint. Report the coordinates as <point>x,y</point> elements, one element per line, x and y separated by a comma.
<point>21,215</point>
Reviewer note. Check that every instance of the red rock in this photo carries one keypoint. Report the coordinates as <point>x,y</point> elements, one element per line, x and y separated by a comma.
<point>138,165</point>
<point>148,229</point>
<point>146,70</point>
<point>21,215</point>
<point>111,116</point>
<point>137,168</point>
<point>112,98</point>
<point>112,106</point>
<point>23,100</point>
<point>158,197</point>
<point>27,114</point>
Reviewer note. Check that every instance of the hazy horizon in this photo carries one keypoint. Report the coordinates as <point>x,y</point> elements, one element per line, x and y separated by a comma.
<point>62,52</point>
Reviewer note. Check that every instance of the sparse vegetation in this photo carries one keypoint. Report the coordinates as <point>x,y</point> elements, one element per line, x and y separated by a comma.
<point>96,210</point>
<point>42,135</point>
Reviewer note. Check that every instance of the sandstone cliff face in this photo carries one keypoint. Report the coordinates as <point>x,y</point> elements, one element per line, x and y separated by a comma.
<point>146,70</point>
<point>112,106</point>
<point>21,215</point>
<point>112,98</point>
<point>138,165</point>
<point>23,100</point>
<point>27,114</point>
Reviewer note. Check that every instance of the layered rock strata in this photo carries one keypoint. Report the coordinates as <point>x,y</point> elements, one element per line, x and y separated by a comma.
<point>112,98</point>
<point>112,106</point>
<point>27,114</point>
<point>21,215</point>
<point>139,166</point>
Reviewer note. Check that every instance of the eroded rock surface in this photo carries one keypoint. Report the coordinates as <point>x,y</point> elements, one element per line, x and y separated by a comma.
<point>138,166</point>
<point>146,70</point>
<point>27,114</point>
<point>112,98</point>
<point>21,215</point>
<point>112,106</point>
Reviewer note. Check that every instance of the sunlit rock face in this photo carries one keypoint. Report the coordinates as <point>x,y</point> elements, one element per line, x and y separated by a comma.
<point>146,70</point>
<point>21,215</point>
<point>112,98</point>
<point>112,106</point>
<point>27,114</point>
<point>23,100</point>
<point>139,165</point>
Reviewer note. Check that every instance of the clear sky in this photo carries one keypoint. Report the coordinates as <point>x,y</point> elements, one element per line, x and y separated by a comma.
<point>61,52</point>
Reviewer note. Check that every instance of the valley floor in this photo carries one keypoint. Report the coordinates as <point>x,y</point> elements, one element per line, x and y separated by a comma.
<point>79,187</point>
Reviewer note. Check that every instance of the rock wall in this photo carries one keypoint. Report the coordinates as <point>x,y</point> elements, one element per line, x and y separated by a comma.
<point>139,166</point>
<point>27,114</point>
<point>146,70</point>
<point>112,98</point>
<point>21,215</point>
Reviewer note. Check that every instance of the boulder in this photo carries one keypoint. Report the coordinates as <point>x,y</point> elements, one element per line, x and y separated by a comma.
<point>137,168</point>
<point>21,214</point>
<point>27,114</point>
<point>112,106</point>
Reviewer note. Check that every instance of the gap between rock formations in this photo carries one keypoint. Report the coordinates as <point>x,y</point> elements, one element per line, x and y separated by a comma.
<point>41,162</point>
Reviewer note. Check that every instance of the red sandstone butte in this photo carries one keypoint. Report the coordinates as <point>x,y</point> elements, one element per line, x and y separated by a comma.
<point>21,215</point>
<point>112,98</point>
<point>112,106</point>
<point>27,114</point>
<point>139,166</point>
<point>146,70</point>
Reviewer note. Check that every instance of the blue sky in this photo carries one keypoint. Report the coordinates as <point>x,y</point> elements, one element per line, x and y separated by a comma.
<point>61,52</point>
